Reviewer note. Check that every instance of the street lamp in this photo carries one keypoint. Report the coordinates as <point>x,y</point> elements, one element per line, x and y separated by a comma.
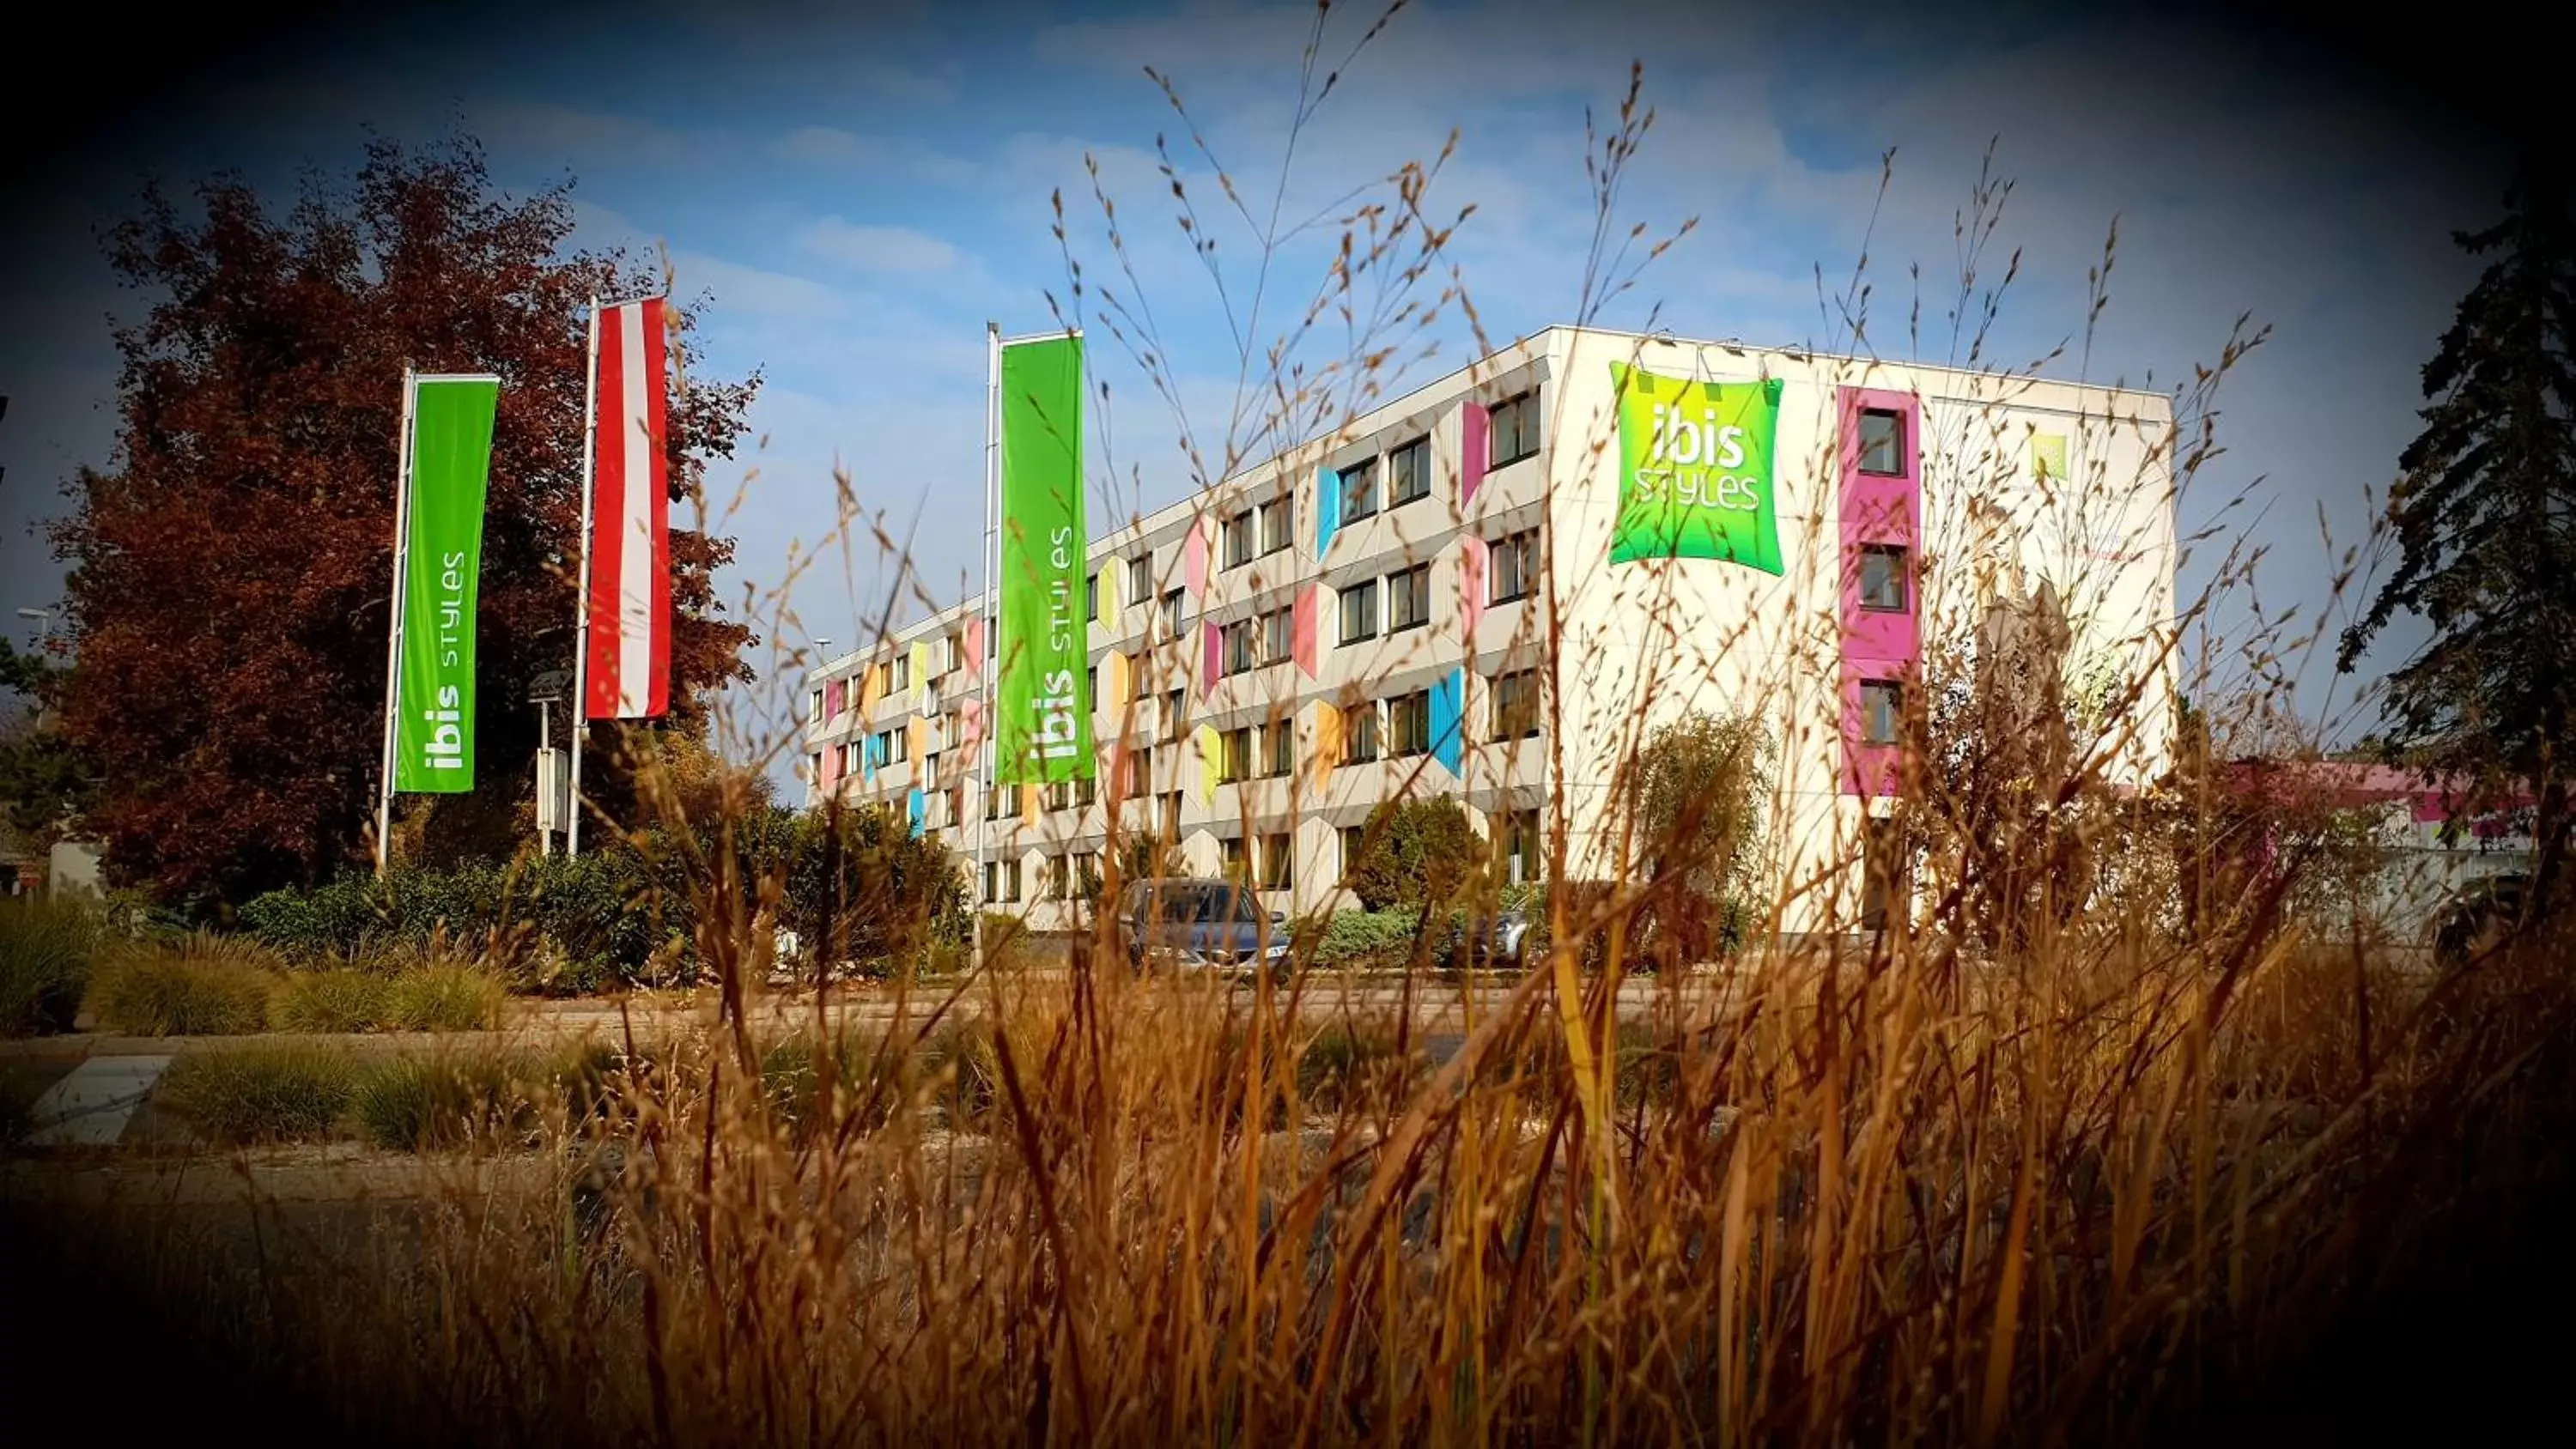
<point>44,621</point>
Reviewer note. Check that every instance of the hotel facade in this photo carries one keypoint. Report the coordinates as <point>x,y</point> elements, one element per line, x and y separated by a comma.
<point>1449,596</point>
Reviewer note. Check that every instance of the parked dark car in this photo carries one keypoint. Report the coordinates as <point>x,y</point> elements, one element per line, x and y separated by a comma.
<point>1197,924</point>
<point>1486,941</point>
<point>2479,915</point>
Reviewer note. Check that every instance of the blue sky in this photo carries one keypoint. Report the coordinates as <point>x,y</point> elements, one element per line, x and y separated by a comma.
<point>858,196</point>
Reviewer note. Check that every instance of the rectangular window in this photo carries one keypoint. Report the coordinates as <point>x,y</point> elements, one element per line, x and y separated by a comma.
<point>956,798</point>
<point>1359,490</point>
<point>1235,762</point>
<point>1882,703</point>
<point>1278,523</point>
<point>899,673</point>
<point>1091,597</point>
<point>1882,578</point>
<point>1140,577</point>
<point>1278,862</point>
<point>1516,705</point>
<point>1175,715</point>
<point>1059,794</point>
<point>1234,653</point>
<point>1279,749</point>
<point>1409,473</point>
<point>1140,774</point>
<point>898,746</point>
<point>992,636</point>
<point>1173,613</point>
<point>1238,540</point>
<point>1514,567</point>
<point>1236,867</point>
<point>1172,817</point>
<point>930,768</point>
<point>1359,735</point>
<point>1001,881</point>
<point>1085,790</point>
<point>814,768</point>
<point>1086,872</point>
<point>1359,611</point>
<point>814,707</point>
<point>1882,443</point>
<point>993,798</point>
<point>1091,686</point>
<point>1512,431</point>
<point>1408,598</point>
<point>1059,877</point>
<point>952,654</point>
<point>1408,724</point>
<point>1278,636</point>
<point>1354,844</point>
<point>1524,847</point>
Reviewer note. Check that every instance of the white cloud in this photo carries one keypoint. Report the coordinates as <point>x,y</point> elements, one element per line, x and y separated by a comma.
<point>876,248</point>
<point>834,148</point>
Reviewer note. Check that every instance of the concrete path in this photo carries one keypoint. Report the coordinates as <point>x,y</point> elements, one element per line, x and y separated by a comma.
<point>90,1107</point>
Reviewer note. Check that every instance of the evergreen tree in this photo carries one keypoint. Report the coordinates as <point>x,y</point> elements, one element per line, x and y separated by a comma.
<point>2484,516</point>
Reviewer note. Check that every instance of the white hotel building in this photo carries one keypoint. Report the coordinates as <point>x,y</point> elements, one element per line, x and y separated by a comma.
<point>1423,603</point>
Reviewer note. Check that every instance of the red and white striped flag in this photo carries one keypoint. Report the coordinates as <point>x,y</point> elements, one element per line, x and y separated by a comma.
<point>630,541</point>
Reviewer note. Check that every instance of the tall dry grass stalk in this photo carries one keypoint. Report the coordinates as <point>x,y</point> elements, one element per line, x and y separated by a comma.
<point>2097,1118</point>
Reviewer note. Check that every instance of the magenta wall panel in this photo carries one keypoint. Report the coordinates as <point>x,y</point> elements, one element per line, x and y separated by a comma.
<point>1877,509</point>
<point>1475,438</point>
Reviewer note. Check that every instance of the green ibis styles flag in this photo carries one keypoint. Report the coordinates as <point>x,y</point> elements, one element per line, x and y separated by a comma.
<point>1695,474</point>
<point>1042,727</point>
<point>450,461</point>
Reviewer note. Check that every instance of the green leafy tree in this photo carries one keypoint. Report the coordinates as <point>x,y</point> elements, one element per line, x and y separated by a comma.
<point>2484,520</point>
<point>1700,782</point>
<point>44,783</point>
<point>1420,853</point>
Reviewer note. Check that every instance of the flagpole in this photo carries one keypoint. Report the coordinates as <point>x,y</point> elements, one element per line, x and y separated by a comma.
<point>394,622</point>
<point>988,743</point>
<point>580,722</point>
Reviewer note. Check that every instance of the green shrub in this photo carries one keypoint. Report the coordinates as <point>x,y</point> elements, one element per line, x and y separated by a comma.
<point>204,986</point>
<point>1343,1061</point>
<point>418,1104</point>
<point>284,1093</point>
<point>1366,938</point>
<point>332,923</point>
<point>341,1000</point>
<point>583,1075</point>
<point>1416,852</point>
<point>445,998</point>
<point>964,1053</point>
<point>790,1078</point>
<point>47,950</point>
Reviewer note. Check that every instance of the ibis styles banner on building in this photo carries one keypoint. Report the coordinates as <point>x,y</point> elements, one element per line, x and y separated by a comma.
<point>1042,732</point>
<point>1695,469</point>
<point>451,459</point>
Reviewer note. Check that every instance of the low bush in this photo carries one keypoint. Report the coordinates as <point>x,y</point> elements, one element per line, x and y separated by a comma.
<point>202,986</point>
<point>445,998</point>
<point>1344,1061</point>
<point>961,1059</point>
<point>792,1079</point>
<point>47,950</point>
<point>341,1000</point>
<point>283,1093</point>
<point>421,1104</point>
<point>1366,938</point>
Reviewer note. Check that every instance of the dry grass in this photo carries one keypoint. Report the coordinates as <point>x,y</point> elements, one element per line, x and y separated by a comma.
<point>2032,1165</point>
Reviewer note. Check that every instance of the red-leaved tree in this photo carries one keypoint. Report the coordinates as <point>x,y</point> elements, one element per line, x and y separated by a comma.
<point>231,567</point>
